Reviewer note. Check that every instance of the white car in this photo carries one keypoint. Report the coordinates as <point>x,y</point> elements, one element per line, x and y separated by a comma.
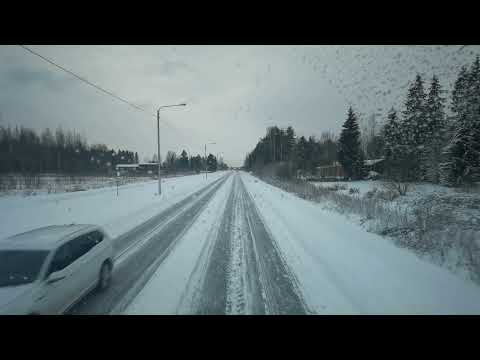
<point>47,270</point>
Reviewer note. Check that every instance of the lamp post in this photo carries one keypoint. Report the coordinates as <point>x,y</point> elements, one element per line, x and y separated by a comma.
<point>219,156</point>
<point>158,143</point>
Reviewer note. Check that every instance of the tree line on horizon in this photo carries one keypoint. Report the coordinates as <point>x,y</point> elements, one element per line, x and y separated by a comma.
<point>185,163</point>
<point>23,150</point>
<point>419,143</point>
<point>292,152</point>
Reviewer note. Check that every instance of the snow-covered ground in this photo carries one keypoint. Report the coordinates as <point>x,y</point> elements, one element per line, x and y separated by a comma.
<point>134,204</point>
<point>343,269</point>
<point>363,185</point>
<point>415,191</point>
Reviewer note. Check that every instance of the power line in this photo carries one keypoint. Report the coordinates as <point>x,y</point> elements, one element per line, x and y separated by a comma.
<point>94,85</point>
<point>83,79</point>
<point>97,87</point>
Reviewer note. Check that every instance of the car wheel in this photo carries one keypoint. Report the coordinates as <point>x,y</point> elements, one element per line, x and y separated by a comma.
<point>105,276</point>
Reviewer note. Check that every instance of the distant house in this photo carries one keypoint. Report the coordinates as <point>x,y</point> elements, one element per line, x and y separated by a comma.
<point>127,169</point>
<point>137,169</point>
<point>334,171</point>
<point>148,168</point>
<point>373,167</point>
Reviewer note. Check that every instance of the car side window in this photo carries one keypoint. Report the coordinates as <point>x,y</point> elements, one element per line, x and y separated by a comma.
<point>62,258</point>
<point>96,236</point>
<point>82,245</point>
<point>74,249</point>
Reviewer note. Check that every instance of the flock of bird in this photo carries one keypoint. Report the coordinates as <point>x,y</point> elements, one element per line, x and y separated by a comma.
<point>373,78</point>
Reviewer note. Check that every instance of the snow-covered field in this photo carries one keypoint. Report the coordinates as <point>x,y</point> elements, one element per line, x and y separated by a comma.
<point>134,204</point>
<point>415,190</point>
<point>362,185</point>
<point>343,269</point>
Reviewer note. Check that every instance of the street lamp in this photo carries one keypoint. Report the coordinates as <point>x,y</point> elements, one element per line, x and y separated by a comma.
<point>158,143</point>
<point>210,143</point>
<point>219,156</point>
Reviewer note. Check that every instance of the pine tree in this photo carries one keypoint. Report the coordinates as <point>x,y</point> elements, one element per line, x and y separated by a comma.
<point>462,155</point>
<point>301,150</point>
<point>393,148</point>
<point>211,163</point>
<point>184,160</point>
<point>350,154</point>
<point>459,93</point>
<point>435,132</point>
<point>414,115</point>
<point>289,143</point>
<point>414,125</point>
<point>390,133</point>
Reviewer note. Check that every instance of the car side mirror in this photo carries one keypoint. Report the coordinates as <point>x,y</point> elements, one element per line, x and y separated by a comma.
<point>54,277</point>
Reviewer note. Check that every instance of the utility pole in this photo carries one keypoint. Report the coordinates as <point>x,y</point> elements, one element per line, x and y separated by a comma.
<point>158,153</point>
<point>158,143</point>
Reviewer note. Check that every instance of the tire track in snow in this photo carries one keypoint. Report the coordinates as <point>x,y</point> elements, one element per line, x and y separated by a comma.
<point>326,267</point>
<point>281,292</point>
<point>246,273</point>
<point>191,295</point>
<point>237,272</point>
<point>213,286</point>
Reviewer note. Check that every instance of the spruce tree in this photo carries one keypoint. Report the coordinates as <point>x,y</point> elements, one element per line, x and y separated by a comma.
<point>459,93</point>
<point>435,132</point>
<point>462,155</point>
<point>289,143</point>
<point>349,153</point>
<point>398,166</point>
<point>301,150</point>
<point>414,126</point>
<point>184,160</point>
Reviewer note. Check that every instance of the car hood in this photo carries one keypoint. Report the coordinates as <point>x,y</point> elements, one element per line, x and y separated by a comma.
<point>9,293</point>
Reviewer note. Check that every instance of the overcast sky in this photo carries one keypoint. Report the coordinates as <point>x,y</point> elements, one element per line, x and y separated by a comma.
<point>233,92</point>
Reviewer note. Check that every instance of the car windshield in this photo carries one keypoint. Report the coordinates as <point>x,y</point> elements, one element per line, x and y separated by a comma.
<point>18,267</point>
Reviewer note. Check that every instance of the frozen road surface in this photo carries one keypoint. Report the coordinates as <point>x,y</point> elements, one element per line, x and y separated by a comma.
<point>232,244</point>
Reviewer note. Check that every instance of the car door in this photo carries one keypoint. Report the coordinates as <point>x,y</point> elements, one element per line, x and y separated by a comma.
<point>99,251</point>
<point>90,259</point>
<point>58,281</point>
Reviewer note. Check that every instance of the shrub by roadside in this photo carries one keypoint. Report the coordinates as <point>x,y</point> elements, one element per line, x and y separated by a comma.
<point>445,227</point>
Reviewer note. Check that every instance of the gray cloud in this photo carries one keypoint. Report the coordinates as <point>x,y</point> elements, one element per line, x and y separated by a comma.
<point>233,92</point>
<point>172,68</point>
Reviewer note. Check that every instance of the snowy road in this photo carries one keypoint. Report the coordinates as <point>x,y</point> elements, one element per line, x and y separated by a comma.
<point>246,273</point>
